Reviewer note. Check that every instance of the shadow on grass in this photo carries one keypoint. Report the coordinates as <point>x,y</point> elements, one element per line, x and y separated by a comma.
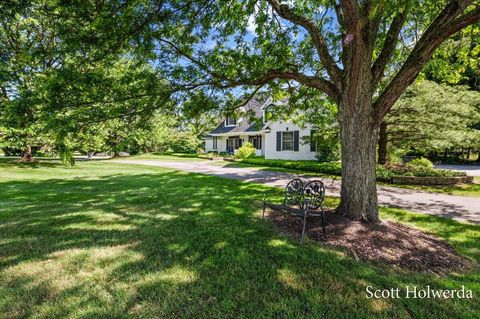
<point>12,162</point>
<point>174,244</point>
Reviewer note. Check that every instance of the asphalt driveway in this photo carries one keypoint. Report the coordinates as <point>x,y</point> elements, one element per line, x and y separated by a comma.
<point>455,207</point>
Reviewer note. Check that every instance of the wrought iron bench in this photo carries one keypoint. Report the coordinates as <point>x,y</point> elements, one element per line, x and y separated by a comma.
<point>301,201</point>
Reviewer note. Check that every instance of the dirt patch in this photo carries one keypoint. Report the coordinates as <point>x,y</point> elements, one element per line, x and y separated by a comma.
<point>387,243</point>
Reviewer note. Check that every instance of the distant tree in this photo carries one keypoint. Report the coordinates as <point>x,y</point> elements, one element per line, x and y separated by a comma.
<point>432,117</point>
<point>28,47</point>
<point>69,64</point>
<point>198,115</point>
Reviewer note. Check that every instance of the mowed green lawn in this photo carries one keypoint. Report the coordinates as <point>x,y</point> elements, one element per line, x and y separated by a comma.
<point>110,240</point>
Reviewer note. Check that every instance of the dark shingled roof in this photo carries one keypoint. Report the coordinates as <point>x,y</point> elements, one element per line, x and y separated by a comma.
<point>253,106</point>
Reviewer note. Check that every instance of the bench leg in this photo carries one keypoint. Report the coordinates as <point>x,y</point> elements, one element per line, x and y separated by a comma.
<point>304,224</point>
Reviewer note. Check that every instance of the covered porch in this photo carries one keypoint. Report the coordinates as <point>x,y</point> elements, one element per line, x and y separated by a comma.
<point>231,143</point>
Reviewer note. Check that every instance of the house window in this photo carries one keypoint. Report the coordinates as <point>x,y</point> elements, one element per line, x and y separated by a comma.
<point>267,113</point>
<point>231,121</point>
<point>287,141</point>
<point>313,141</point>
<point>256,141</point>
<point>215,142</point>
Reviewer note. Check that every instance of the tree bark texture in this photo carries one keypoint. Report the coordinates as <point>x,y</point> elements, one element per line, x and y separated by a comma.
<point>359,137</point>
<point>383,144</point>
<point>358,198</point>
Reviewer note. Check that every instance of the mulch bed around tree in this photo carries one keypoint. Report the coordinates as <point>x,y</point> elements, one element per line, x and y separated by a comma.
<point>387,243</point>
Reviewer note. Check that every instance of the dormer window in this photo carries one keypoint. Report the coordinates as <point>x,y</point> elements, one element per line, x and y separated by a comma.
<point>231,121</point>
<point>267,113</point>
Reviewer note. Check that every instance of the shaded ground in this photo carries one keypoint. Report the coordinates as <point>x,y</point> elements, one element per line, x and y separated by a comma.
<point>455,207</point>
<point>387,243</point>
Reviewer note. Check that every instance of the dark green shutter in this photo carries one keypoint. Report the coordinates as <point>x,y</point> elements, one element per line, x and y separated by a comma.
<point>295,140</point>
<point>313,143</point>
<point>279,141</point>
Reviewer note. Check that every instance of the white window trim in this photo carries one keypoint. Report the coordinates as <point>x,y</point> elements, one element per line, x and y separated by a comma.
<point>293,142</point>
<point>226,123</point>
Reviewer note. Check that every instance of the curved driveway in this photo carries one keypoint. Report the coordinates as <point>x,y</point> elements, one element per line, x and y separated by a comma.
<point>455,207</point>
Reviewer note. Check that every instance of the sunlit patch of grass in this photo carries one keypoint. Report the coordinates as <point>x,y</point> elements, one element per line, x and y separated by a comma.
<point>65,269</point>
<point>290,279</point>
<point>99,220</point>
<point>172,276</point>
<point>380,305</point>
<point>280,243</point>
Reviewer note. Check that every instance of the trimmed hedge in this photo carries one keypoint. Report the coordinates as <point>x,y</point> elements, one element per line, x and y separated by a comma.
<point>384,173</point>
<point>332,168</point>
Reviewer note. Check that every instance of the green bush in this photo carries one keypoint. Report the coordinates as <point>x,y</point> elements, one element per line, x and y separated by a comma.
<point>384,174</point>
<point>395,159</point>
<point>246,151</point>
<point>421,162</point>
<point>420,171</point>
<point>333,168</point>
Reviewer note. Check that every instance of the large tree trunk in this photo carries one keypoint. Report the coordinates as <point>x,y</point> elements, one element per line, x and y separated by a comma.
<point>359,135</point>
<point>26,155</point>
<point>383,144</point>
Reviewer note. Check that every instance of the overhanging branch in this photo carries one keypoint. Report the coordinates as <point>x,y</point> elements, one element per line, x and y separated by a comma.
<point>391,40</point>
<point>315,33</point>
<point>448,22</point>
<point>219,80</point>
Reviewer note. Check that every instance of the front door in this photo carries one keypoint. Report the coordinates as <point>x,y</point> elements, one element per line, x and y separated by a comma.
<point>233,143</point>
<point>230,145</point>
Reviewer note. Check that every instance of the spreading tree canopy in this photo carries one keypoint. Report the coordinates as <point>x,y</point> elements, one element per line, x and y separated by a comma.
<point>362,54</point>
<point>68,66</point>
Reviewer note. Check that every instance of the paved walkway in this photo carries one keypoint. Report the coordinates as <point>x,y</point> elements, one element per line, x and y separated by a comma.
<point>456,207</point>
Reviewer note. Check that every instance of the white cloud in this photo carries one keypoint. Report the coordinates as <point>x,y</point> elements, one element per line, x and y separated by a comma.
<point>252,25</point>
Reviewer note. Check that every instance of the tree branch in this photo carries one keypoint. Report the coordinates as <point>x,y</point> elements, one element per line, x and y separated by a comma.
<point>220,81</point>
<point>319,41</point>
<point>464,21</point>
<point>447,23</point>
<point>391,40</point>
<point>351,14</point>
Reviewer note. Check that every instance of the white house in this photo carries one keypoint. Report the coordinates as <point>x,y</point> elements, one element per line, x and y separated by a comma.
<point>273,139</point>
